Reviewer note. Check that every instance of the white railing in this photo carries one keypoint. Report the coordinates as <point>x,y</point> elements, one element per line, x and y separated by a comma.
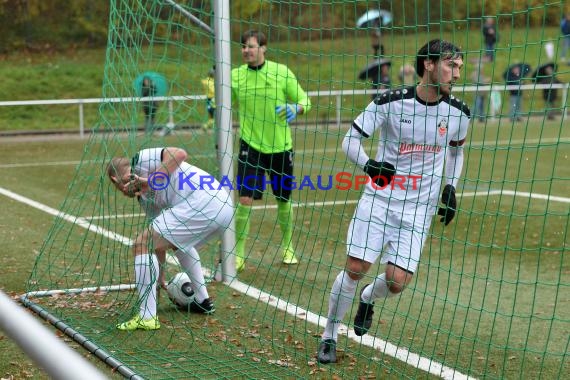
<point>337,94</point>
<point>82,102</point>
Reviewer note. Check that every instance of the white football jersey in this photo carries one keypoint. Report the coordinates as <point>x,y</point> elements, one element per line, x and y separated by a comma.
<point>414,137</point>
<point>187,184</point>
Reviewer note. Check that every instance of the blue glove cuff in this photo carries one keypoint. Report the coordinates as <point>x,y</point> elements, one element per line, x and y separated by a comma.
<point>288,111</point>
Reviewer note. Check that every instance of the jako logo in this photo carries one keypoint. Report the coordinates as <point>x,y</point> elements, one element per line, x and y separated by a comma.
<point>405,121</point>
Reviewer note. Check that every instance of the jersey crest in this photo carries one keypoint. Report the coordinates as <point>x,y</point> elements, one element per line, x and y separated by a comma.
<point>442,127</point>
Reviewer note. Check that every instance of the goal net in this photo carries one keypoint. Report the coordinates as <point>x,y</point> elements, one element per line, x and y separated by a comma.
<point>490,296</point>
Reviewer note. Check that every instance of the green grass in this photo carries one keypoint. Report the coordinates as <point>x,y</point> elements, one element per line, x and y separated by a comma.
<point>488,299</point>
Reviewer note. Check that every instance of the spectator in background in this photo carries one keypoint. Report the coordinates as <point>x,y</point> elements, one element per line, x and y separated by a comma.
<point>479,79</point>
<point>149,107</point>
<point>407,75</point>
<point>382,80</point>
<point>491,37</point>
<point>513,77</point>
<point>376,39</point>
<point>378,73</point>
<point>565,29</point>
<point>549,95</point>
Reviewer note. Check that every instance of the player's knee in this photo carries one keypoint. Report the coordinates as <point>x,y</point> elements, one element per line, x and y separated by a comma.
<point>396,288</point>
<point>397,280</point>
<point>140,245</point>
<point>356,268</point>
<point>395,284</point>
<point>139,248</point>
<point>356,276</point>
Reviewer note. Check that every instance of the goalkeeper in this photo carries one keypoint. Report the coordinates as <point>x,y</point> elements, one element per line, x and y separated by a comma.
<point>421,128</point>
<point>183,215</point>
<point>269,98</point>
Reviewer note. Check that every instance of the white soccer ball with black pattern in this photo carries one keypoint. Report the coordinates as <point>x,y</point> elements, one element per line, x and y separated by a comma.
<point>180,291</point>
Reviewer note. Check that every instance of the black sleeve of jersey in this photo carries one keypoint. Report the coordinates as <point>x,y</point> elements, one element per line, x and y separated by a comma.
<point>364,134</point>
<point>396,94</point>
<point>460,105</point>
<point>457,143</point>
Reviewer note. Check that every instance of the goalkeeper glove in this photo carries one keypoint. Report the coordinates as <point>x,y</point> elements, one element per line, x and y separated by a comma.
<point>288,111</point>
<point>448,199</point>
<point>381,173</point>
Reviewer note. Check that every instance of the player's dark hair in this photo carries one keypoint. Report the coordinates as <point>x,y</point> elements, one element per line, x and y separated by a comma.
<point>261,39</point>
<point>436,50</point>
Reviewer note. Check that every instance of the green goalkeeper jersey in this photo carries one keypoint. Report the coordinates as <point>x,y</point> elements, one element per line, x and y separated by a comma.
<point>258,92</point>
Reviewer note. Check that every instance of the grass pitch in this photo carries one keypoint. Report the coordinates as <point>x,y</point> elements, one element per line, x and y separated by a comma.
<point>487,300</point>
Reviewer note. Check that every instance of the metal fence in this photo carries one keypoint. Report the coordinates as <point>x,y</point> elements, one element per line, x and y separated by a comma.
<point>338,95</point>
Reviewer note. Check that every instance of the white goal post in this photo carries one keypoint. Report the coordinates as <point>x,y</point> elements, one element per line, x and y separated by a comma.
<point>51,354</point>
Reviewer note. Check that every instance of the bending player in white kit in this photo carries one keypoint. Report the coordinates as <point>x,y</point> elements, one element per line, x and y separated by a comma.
<point>184,213</point>
<point>420,128</point>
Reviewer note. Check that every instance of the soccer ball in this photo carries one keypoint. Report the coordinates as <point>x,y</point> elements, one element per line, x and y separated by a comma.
<point>179,290</point>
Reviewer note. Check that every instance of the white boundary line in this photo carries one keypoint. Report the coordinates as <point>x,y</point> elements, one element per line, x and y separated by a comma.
<point>39,164</point>
<point>402,354</point>
<point>546,197</point>
<point>387,348</point>
<point>81,222</point>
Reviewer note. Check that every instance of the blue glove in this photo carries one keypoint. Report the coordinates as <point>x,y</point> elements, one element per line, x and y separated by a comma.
<point>288,111</point>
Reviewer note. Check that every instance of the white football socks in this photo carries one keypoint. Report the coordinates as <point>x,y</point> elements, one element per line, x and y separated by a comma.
<point>190,261</point>
<point>378,289</point>
<point>341,297</point>
<point>146,275</point>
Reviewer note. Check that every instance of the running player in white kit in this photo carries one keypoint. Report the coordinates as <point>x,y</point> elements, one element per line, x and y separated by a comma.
<point>186,207</point>
<point>420,128</point>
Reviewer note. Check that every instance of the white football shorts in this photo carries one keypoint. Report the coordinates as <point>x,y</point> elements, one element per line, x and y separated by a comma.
<point>186,225</point>
<point>375,228</point>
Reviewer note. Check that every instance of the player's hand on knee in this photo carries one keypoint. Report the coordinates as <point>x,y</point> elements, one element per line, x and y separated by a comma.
<point>450,204</point>
<point>381,173</point>
<point>288,111</point>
